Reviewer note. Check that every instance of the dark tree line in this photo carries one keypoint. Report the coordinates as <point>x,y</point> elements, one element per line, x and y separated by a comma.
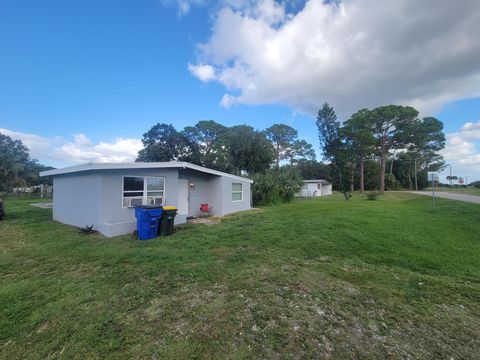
<point>238,149</point>
<point>17,169</point>
<point>391,141</point>
<point>275,158</point>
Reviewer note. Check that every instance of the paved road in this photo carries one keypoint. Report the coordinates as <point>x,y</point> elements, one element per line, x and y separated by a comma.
<point>452,196</point>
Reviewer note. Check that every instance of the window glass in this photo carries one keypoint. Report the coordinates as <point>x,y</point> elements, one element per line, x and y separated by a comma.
<point>236,192</point>
<point>133,183</point>
<point>155,183</point>
<point>139,190</point>
<point>133,194</point>
<point>236,187</point>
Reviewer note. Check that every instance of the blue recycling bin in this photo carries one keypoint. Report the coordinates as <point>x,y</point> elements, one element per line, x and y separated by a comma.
<point>148,217</point>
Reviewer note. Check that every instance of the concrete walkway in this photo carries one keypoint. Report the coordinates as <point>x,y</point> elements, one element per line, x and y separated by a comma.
<point>451,196</point>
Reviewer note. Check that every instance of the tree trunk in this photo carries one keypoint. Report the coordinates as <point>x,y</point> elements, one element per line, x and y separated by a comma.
<point>383,165</point>
<point>391,164</point>
<point>352,171</point>
<point>416,183</point>
<point>362,176</point>
<point>278,155</point>
<point>410,175</point>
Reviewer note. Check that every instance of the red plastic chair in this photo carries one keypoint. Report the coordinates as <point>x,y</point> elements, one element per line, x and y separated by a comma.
<point>204,209</point>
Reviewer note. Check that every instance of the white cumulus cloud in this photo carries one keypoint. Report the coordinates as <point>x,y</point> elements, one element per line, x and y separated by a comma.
<point>58,151</point>
<point>462,150</point>
<point>204,73</point>
<point>351,53</point>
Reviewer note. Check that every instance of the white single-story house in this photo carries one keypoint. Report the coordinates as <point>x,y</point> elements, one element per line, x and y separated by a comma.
<point>312,188</point>
<point>105,194</point>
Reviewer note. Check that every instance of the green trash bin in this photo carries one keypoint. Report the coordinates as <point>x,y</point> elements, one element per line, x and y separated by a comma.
<point>167,221</point>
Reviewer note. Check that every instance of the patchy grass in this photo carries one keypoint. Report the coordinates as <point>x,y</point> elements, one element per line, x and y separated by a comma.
<point>322,278</point>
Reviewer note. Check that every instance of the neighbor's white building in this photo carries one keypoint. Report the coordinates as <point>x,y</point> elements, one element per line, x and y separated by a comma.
<point>312,188</point>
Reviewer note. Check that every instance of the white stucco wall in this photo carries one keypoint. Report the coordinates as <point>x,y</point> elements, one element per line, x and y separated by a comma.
<point>326,190</point>
<point>229,206</point>
<point>216,191</point>
<point>76,199</point>
<point>117,220</point>
<point>199,193</point>
<point>96,197</point>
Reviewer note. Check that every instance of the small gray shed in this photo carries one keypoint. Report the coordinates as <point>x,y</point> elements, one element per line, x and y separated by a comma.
<point>105,194</point>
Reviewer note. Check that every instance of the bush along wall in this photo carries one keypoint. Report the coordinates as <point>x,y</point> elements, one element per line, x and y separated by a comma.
<point>277,185</point>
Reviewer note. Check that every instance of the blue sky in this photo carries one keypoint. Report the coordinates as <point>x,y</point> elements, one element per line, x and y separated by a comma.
<point>83,80</point>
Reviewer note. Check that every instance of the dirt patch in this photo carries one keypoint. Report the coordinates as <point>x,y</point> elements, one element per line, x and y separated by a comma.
<point>46,325</point>
<point>222,250</point>
<point>205,221</point>
<point>43,205</point>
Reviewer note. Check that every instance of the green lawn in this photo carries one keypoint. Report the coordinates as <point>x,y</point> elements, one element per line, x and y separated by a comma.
<point>320,278</point>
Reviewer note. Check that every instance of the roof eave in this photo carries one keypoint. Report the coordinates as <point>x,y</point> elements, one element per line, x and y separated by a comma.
<point>119,166</point>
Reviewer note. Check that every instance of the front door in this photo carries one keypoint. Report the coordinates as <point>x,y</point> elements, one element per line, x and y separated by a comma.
<point>183,197</point>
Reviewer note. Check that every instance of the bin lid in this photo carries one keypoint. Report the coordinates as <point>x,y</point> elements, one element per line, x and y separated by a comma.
<point>169,207</point>
<point>149,206</point>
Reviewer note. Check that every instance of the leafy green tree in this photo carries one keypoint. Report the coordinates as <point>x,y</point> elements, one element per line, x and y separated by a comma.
<point>249,150</point>
<point>391,182</point>
<point>328,132</point>
<point>282,137</point>
<point>426,139</point>
<point>31,174</point>
<point>313,170</point>
<point>287,146</point>
<point>358,134</point>
<point>14,158</point>
<point>372,169</point>
<point>17,169</point>
<point>390,127</point>
<point>334,150</point>
<point>290,182</point>
<point>300,149</point>
<point>276,185</point>
<point>420,154</point>
<point>209,139</point>
<point>164,143</point>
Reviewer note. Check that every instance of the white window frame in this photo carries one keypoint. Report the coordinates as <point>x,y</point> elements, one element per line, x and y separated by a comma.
<point>236,192</point>
<point>145,196</point>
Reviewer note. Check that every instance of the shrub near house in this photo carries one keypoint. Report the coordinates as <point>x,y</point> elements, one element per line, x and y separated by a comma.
<point>276,185</point>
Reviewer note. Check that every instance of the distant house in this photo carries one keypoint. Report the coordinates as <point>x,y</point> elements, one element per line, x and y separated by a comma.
<point>312,188</point>
<point>105,194</point>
